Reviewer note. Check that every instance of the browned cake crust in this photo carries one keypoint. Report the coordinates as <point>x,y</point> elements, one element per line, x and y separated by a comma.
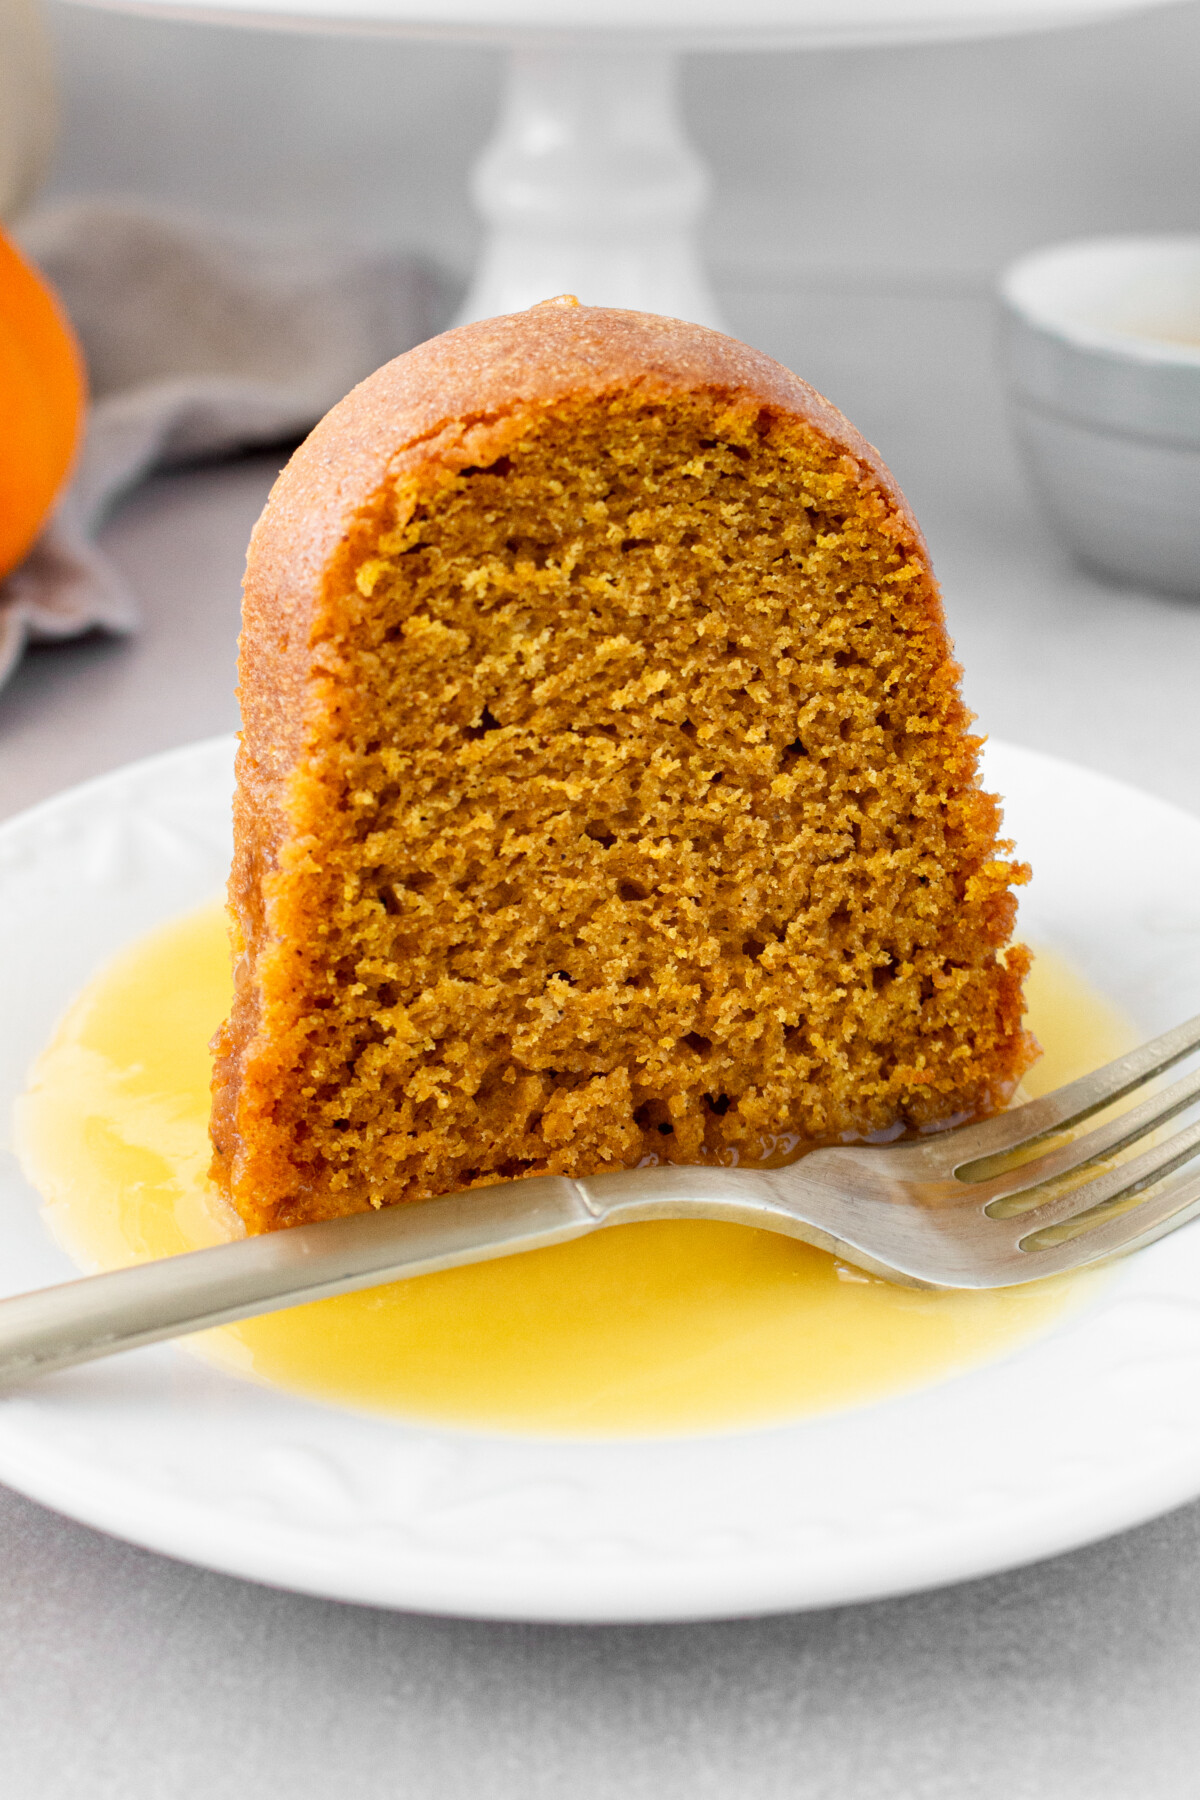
<point>822,956</point>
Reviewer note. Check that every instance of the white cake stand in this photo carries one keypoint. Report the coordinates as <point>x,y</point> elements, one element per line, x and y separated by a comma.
<point>589,185</point>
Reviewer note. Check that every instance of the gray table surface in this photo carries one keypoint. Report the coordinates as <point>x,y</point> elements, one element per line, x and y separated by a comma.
<point>124,1674</point>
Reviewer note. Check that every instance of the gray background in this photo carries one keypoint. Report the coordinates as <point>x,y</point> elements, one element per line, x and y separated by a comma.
<point>862,205</point>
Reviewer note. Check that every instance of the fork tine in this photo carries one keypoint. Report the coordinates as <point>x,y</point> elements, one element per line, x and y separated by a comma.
<point>1120,1183</point>
<point>1072,1104</point>
<point>1159,1213</point>
<point>1105,1140</point>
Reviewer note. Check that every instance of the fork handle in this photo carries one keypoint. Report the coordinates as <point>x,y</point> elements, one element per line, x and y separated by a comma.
<point>101,1314</point>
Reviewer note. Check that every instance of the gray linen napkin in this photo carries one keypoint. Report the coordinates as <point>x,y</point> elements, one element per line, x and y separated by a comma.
<point>199,343</point>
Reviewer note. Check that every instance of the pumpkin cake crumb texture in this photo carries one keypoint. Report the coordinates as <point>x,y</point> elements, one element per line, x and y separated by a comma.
<point>606,791</point>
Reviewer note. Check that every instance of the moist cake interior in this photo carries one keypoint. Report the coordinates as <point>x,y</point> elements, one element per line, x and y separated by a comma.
<point>639,821</point>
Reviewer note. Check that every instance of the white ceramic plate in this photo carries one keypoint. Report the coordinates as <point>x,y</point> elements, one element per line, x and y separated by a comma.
<point>1094,1427</point>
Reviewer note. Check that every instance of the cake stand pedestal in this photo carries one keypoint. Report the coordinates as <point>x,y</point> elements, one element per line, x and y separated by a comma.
<point>590,185</point>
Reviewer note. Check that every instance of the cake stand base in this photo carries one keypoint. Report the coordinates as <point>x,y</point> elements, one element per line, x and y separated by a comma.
<point>590,186</point>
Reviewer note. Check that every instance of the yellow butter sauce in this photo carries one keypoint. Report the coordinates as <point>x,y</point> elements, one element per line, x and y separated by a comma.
<point>659,1328</point>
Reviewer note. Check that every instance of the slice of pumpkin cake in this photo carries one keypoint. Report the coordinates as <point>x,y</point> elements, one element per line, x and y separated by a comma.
<point>605,789</point>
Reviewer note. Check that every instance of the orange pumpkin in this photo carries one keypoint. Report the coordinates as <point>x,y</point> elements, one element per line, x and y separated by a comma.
<point>42,396</point>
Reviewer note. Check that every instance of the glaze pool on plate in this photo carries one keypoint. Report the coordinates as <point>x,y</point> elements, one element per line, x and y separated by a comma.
<point>676,1326</point>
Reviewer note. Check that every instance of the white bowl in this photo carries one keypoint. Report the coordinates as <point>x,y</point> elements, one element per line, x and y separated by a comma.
<point>1102,353</point>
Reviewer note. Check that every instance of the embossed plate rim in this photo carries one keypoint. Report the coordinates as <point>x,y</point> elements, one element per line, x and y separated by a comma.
<point>1084,1431</point>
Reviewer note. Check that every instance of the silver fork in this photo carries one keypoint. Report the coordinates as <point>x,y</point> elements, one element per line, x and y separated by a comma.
<point>956,1209</point>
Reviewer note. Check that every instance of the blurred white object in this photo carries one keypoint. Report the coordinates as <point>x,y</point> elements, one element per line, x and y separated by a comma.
<point>590,185</point>
<point>28,108</point>
<point>1102,348</point>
